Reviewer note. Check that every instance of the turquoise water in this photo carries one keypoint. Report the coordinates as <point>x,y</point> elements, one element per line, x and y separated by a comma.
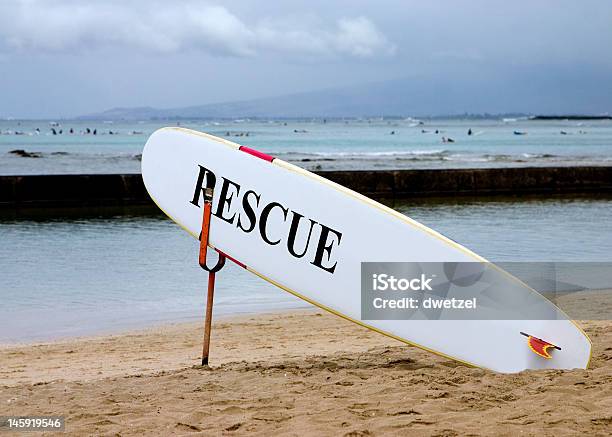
<point>334,144</point>
<point>108,270</point>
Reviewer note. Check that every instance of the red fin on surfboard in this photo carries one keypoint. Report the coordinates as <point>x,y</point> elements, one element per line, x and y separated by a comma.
<point>540,347</point>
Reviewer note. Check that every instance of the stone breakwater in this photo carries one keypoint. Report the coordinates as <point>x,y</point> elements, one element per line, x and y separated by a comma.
<point>129,189</point>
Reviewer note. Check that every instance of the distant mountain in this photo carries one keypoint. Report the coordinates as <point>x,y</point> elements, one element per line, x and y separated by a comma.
<point>417,96</point>
<point>371,100</point>
<point>140,113</point>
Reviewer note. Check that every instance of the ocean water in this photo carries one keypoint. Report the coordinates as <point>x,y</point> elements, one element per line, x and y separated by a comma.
<point>316,144</point>
<point>76,272</point>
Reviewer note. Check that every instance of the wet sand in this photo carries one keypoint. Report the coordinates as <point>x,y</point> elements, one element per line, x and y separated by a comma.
<point>296,373</point>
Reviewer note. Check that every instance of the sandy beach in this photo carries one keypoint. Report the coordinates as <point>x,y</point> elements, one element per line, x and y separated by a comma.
<point>300,372</point>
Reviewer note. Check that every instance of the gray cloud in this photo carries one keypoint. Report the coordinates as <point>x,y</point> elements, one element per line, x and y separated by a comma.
<point>70,57</point>
<point>169,27</point>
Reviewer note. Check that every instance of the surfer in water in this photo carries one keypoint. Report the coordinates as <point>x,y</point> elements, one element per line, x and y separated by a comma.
<point>470,131</point>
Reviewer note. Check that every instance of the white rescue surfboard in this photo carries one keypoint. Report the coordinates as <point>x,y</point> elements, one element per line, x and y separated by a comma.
<point>309,236</point>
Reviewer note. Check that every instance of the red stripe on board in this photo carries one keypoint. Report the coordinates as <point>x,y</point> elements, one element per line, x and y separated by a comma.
<point>232,259</point>
<point>256,153</point>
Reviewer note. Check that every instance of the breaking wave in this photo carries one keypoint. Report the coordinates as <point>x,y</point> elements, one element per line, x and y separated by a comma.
<point>324,160</point>
<point>22,153</point>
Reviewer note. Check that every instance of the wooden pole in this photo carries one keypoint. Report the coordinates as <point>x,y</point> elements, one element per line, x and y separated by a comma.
<point>208,196</point>
<point>208,318</point>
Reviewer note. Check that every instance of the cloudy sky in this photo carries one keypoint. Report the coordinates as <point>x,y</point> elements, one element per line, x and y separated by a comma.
<point>72,57</point>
